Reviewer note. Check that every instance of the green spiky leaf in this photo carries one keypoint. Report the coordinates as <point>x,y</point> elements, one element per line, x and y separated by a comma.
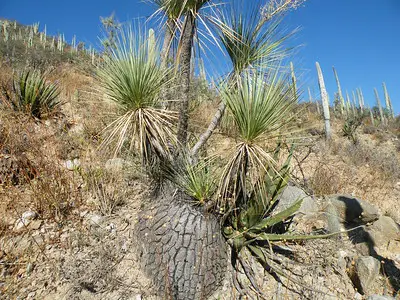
<point>279,217</point>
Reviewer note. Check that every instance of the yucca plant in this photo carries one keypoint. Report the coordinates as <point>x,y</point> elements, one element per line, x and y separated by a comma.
<point>32,93</point>
<point>131,77</point>
<point>261,106</point>
<point>251,41</point>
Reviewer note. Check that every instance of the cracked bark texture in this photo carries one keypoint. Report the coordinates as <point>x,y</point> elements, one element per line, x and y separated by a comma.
<point>182,249</point>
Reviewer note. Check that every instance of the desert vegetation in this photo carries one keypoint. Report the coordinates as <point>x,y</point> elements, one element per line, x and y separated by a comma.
<point>126,174</point>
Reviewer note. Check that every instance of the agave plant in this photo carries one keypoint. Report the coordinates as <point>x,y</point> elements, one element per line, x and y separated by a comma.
<point>131,76</point>
<point>32,93</point>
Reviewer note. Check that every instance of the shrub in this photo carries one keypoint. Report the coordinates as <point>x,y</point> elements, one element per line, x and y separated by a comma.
<point>106,188</point>
<point>350,128</point>
<point>55,193</point>
<point>369,129</point>
<point>30,92</point>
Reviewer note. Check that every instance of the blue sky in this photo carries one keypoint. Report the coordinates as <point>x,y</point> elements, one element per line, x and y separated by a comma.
<point>361,38</point>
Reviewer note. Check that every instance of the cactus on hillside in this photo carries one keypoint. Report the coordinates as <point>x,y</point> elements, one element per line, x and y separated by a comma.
<point>35,27</point>
<point>310,99</point>
<point>341,99</point>
<point>294,80</point>
<point>378,101</point>
<point>388,102</point>
<point>354,102</point>
<point>360,98</point>
<point>348,104</point>
<point>371,115</point>
<point>325,102</point>
<point>5,30</point>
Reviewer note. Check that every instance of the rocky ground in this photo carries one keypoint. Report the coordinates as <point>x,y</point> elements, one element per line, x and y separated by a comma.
<point>71,232</point>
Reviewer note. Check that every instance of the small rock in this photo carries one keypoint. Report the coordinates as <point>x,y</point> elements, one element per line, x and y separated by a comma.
<point>72,164</point>
<point>21,224</point>
<point>394,247</point>
<point>378,297</point>
<point>31,295</point>
<point>367,269</point>
<point>77,129</point>
<point>94,219</point>
<point>111,228</point>
<point>358,296</point>
<point>138,297</point>
<point>115,164</point>
<point>25,219</point>
<point>353,210</point>
<point>29,215</point>
<point>38,239</point>
<point>64,237</point>
<point>342,263</point>
<point>29,269</point>
<point>34,225</point>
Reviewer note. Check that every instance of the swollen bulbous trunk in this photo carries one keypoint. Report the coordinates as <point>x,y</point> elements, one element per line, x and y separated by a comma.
<point>325,102</point>
<point>183,250</point>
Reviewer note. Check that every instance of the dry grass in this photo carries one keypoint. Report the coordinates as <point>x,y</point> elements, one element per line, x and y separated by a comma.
<point>325,180</point>
<point>106,188</point>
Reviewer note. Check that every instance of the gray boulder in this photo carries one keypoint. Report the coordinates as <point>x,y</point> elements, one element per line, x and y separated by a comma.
<point>353,210</point>
<point>384,230</point>
<point>367,270</point>
<point>290,195</point>
<point>385,237</point>
<point>378,297</point>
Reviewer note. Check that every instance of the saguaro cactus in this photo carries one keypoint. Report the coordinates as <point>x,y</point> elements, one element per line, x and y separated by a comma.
<point>371,115</point>
<point>294,80</point>
<point>354,102</point>
<point>325,102</point>
<point>388,101</point>
<point>348,104</point>
<point>360,98</point>
<point>378,101</point>
<point>339,91</point>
